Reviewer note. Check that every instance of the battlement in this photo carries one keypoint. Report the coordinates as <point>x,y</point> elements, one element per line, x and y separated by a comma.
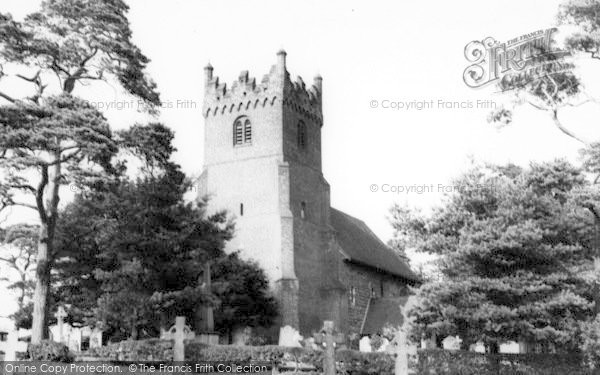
<point>275,87</point>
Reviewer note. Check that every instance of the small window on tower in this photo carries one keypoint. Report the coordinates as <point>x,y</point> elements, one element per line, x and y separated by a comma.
<point>242,131</point>
<point>301,135</point>
<point>352,296</point>
<point>241,209</point>
<point>303,210</point>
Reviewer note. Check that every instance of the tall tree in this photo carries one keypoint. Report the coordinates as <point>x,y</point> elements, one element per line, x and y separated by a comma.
<point>59,138</point>
<point>512,244</point>
<point>243,296</point>
<point>18,245</point>
<point>132,251</point>
<point>586,15</point>
<point>552,89</point>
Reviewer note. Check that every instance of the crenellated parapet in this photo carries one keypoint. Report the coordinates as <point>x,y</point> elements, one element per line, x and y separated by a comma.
<point>305,101</point>
<point>275,88</point>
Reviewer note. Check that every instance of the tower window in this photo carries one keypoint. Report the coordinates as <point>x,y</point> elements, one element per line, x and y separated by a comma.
<point>303,210</point>
<point>301,135</point>
<point>242,131</point>
<point>353,296</point>
<point>241,209</point>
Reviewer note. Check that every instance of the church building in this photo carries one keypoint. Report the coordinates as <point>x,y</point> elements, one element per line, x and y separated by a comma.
<point>263,165</point>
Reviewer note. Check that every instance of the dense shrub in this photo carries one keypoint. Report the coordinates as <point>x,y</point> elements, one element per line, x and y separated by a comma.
<point>198,352</point>
<point>141,350</point>
<point>22,356</point>
<point>590,346</point>
<point>437,361</point>
<point>353,362</point>
<point>50,351</point>
<point>349,362</point>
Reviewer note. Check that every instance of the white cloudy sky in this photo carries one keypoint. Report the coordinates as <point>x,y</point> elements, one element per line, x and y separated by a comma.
<point>365,50</point>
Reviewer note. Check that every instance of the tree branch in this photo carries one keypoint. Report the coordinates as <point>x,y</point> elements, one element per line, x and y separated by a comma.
<point>22,204</point>
<point>3,95</point>
<point>23,187</point>
<point>39,197</point>
<point>593,210</point>
<point>560,126</point>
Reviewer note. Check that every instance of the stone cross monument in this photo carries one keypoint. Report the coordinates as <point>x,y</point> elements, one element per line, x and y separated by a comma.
<point>60,315</point>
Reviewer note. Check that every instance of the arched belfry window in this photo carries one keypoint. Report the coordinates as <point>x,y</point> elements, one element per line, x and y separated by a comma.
<point>242,131</point>
<point>301,135</point>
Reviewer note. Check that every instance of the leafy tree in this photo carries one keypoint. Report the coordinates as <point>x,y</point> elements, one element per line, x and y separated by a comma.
<point>586,15</point>
<point>59,138</point>
<point>18,243</point>
<point>132,251</point>
<point>241,289</point>
<point>552,90</point>
<point>512,245</point>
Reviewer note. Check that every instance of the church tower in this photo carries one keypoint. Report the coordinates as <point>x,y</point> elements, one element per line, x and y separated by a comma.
<point>263,165</point>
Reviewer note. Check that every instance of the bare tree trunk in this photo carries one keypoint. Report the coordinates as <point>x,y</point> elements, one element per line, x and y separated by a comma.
<point>21,299</point>
<point>42,283</point>
<point>45,252</point>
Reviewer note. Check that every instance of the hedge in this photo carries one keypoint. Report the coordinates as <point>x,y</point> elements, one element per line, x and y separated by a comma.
<point>277,355</point>
<point>430,362</point>
<point>141,350</point>
<point>49,350</point>
<point>352,362</point>
<point>438,361</point>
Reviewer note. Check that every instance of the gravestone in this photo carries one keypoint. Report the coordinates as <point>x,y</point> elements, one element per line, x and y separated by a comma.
<point>401,365</point>
<point>400,345</point>
<point>206,322</point>
<point>14,346</point>
<point>289,336</point>
<point>364,345</point>
<point>330,339</point>
<point>179,333</point>
<point>60,316</point>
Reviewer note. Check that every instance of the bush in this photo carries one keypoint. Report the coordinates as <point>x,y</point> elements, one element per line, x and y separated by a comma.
<point>50,351</point>
<point>357,363</point>
<point>140,350</point>
<point>590,346</point>
<point>199,352</point>
<point>22,356</point>
<point>438,361</point>
<point>349,362</point>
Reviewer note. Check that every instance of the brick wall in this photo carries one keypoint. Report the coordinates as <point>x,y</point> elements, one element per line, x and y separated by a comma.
<point>367,283</point>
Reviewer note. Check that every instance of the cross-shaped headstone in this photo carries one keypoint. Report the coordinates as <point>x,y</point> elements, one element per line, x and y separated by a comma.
<point>206,321</point>
<point>330,339</point>
<point>60,315</point>
<point>178,338</point>
<point>401,365</point>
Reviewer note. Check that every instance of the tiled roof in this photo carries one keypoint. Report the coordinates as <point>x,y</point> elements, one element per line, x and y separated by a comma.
<point>382,312</point>
<point>360,245</point>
